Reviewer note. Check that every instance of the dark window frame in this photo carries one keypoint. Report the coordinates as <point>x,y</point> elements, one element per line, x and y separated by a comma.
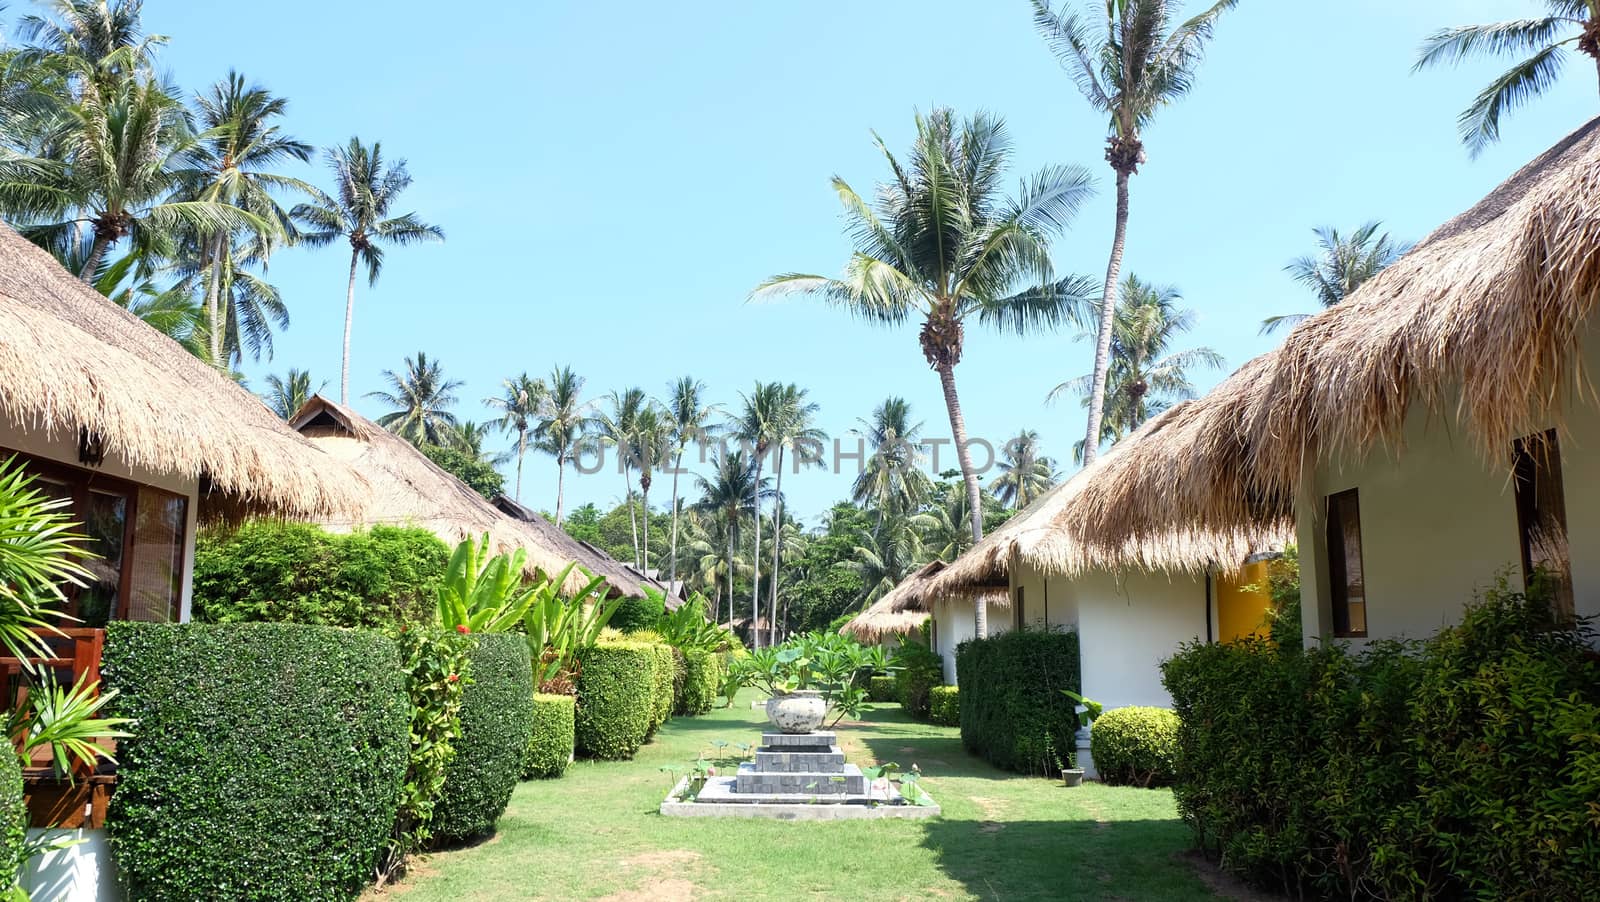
<point>1337,557</point>
<point>1526,473</point>
<point>1017,603</point>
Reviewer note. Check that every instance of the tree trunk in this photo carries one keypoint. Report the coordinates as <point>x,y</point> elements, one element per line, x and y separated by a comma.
<point>644,547</point>
<point>1108,314</point>
<point>561,484</point>
<point>349,318</point>
<point>633,519</point>
<point>96,251</point>
<point>732,529</point>
<point>958,430</point>
<point>522,449</point>
<point>777,544</point>
<point>214,302</point>
<point>672,568</point>
<point>755,565</point>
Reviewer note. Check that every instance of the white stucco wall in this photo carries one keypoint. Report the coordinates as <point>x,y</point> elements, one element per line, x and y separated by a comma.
<point>1439,522</point>
<point>81,872</point>
<point>64,449</point>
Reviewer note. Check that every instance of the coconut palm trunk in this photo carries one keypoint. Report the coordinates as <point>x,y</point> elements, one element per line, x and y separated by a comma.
<point>1108,314</point>
<point>214,301</point>
<point>733,531</point>
<point>644,547</point>
<point>755,562</point>
<point>561,485</point>
<point>97,250</point>
<point>958,430</point>
<point>672,567</point>
<point>777,546</point>
<point>522,450</point>
<point>349,320</point>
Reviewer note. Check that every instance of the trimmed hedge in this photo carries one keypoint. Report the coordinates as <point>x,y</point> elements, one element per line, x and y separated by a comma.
<point>703,674</point>
<point>1135,746</point>
<point>638,613</point>
<point>882,689</point>
<point>1462,766</point>
<point>13,820</point>
<point>496,727</point>
<point>944,706</point>
<point>616,698</point>
<point>1012,710</point>
<point>664,675</point>
<point>277,572</point>
<point>550,748</point>
<point>266,763</point>
<point>914,681</point>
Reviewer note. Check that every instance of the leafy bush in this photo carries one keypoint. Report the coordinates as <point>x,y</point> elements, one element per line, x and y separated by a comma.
<point>944,706</point>
<point>703,674</point>
<point>271,571</point>
<point>13,821</point>
<point>687,628</point>
<point>1013,712</point>
<point>882,689</point>
<point>1462,766</point>
<point>559,626</point>
<point>836,666</point>
<point>664,674</point>
<point>1135,746</point>
<point>550,749</point>
<point>920,669</point>
<point>437,666</point>
<point>478,475</point>
<point>496,726</point>
<point>267,760</point>
<point>616,698</point>
<point>639,613</point>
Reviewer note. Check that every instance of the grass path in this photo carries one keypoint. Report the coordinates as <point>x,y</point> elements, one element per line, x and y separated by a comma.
<point>595,834</point>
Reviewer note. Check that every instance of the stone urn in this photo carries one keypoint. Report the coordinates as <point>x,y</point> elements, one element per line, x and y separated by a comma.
<point>801,711</point>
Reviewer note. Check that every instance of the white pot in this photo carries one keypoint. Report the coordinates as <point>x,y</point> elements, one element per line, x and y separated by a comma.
<point>801,711</point>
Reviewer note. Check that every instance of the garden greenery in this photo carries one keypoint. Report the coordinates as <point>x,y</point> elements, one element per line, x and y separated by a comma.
<point>918,669</point>
<point>267,761</point>
<point>1461,766</point>
<point>1013,710</point>
<point>273,571</point>
<point>550,748</point>
<point>558,628</point>
<point>882,688</point>
<point>616,697</point>
<point>703,674</point>
<point>835,666</point>
<point>496,727</point>
<point>639,612</point>
<point>39,555</point>
<point>13,825</point>
<point>1135,746</point>
<point>944,706</point>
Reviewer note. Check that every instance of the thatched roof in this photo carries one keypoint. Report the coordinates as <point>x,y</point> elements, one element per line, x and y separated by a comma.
<point>1481,322</point>
<point>622,578</point>
<point>908,605</point>
<point>408,489</point>
<point>71,360</point>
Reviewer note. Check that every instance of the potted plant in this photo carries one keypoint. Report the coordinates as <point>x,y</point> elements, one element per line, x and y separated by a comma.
<point>1086,710</point>
<point>810,676</point>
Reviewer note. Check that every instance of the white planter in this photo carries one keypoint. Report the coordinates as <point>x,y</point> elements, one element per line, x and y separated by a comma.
<point>797,712</point>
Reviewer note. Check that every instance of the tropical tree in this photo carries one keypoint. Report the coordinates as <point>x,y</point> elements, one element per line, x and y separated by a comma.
<point>1342,264</point>
<point>887,554</point>
<point>729,495</point>
<point>521,398</point>
<point>564,425</point>
<point>1025,474</point>
<point>944,243</point>
<point>102,41</point>
<point>792,430</point>
<point>1542,45</point>
<point>288,393</point>
<point>689,418</point>
<point>236,159</point>
<point>1129,61</point>
<point>892,481</point>
<point>359,211</point>
<point>757,427</point>
<point>421,397</point>
<point>616,426</point>
<point>1146,375</point>
<point>652,429</point>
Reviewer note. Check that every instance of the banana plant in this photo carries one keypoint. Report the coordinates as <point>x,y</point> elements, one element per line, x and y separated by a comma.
<point>558,628</point>
<point>483,594</point>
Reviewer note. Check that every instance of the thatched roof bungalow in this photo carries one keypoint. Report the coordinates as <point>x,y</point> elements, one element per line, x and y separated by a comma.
<point>622,578</point>
<point>408,489</point>
<point>144,439</point>
<point>1432,430</point>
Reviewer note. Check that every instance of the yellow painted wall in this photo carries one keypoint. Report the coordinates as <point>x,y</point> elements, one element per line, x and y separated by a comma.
<point>1242,603</point>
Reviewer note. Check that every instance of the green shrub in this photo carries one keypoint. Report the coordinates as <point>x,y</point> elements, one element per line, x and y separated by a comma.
<point>271,571</point>
<point>639,613</point>
<point>944,706</point>
<point>920,669</point>
<point>882,689</point>
<point>267,761</point>
<point>496,726</point>
<point>1462,766</point>
<point>550,749</point>
<point>13,820</point>
<point>703,674</point>
<point>664,675</point>
<point>1135,746</point>
<point>1012,710</point>
<point>437,666</point>
<point>616,698</point>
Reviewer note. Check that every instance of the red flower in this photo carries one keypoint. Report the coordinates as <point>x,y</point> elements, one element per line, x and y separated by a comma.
<point>462,628</point>
<point>453,677</point>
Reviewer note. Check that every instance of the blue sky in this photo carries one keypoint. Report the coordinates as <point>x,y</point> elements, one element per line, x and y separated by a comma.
<point>614,178</point>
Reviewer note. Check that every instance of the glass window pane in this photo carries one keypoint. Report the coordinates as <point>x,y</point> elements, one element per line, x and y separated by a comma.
<point>1346,581</point>
<point>158,540</point>
<point>1542,519</point>
<point>105,523</point>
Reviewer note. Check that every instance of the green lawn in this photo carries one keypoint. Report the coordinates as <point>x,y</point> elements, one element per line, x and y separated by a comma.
<point>595,833</point>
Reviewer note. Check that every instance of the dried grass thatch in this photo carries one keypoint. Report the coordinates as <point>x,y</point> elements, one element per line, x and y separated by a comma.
<point>408,489</point>
<point>71,360</point>
<point>622,578</point>
<point>908,605</point>
<point>1481,322</point>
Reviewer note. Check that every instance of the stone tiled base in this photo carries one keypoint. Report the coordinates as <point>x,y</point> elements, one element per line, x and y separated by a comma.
<point>718,799</point>
<point>847,781</point>
<point>828,762</point>
<point>820,741</point>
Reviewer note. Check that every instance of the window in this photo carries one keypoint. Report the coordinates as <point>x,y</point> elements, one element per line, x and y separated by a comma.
<point>1016,609</point>
<point>1346,581</point>
<point>1542,519</point>
<point>137,534</point>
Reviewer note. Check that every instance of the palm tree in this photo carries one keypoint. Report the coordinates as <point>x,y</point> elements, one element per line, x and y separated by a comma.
<point>564,425</point>
<point>1544,39</point>
<point>757,426</point>
<point>1343,263</point>
<point>422,398</point>
<point>892,480</point>
<point>945,535</point>
<point>90,40</point>
<point>1025,474</point>
<point>1127,72</point>
<point>290,392</point>
<point>651,431</point>
<point>1145,375</point>
<point>689,418</point>
<point>519,403</point>
<point>945,244</point>
<point>729,495</point>
<point>792,430</point>
<point>616,427</point>
<point>469,437</point>
<point>885,556</point>
<point>366,192</point>
<point>235,162</point>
